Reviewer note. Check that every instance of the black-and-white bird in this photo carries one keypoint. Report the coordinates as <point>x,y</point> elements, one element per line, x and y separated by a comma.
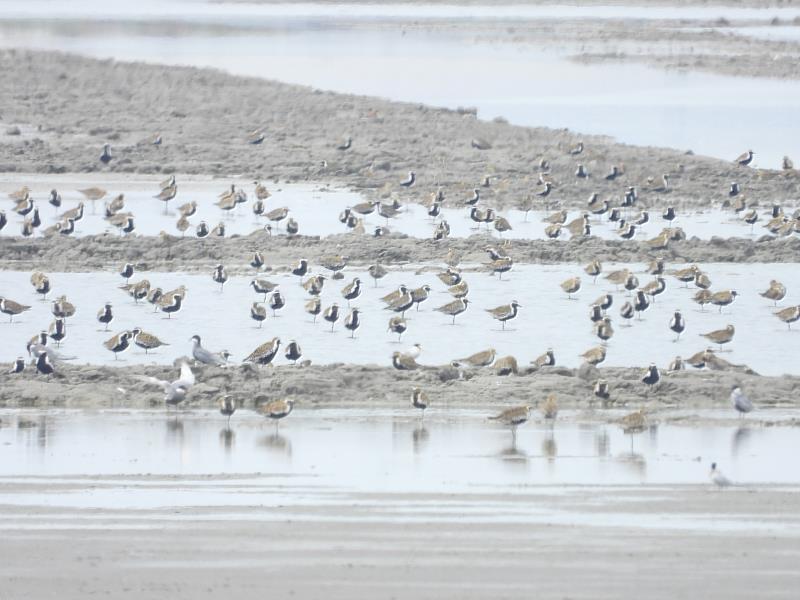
<point>398,325</point>
<point>419,399</point>
<point>106,157</point>
<point>677,324</point>
<point>18,366</point>
<point>352,290</point>
<point>276,302</point>
<point>301,269</point>
<point>651,376</point>
<point>293,352</point>
<point>331,315</point>
<point>745,158</point>
<point>410,180</point>
<point>353,321</point>
<point>44,365</point>
<point>105,315</point>
<point>220,275</point>
<point>258,313</point>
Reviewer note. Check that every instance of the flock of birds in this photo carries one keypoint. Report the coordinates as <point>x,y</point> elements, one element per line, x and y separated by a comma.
<point>270,298</point>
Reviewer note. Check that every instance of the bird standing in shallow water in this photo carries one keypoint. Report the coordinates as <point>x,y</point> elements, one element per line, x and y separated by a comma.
<point>227,406</point>
<point>677,324</point>
<point>277,410</point>
<point>220,276</point>
<point>353,321</point>
<point>419,399</point>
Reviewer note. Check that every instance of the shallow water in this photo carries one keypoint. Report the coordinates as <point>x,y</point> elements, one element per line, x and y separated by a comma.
<point>316,209</point>
<point>663,108</point>
<point>547,318</point>
<point>314,450</point>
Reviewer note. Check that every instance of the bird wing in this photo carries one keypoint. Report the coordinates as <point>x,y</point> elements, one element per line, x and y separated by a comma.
<point>187,377</point>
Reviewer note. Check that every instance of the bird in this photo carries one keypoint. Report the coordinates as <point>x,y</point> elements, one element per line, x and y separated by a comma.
<point>459,290</point>
<point>420,294</point>
<point>717,478</point>
<point>594,356</point>
<point>353,321</point>
<point>377,271</point>
<point>105,315</point>
<point>352,290</point>
<point>604,330</point>
<point>550,407</point>
<point>454,308</point>
<point>255,137</point>
<point>204,356</point>
<point>41,283</point>
<point>293,352</point>
<point>506,366</point>
<point>175,391</point>
<point>187,210</point>
<point>504,313</point>
<point>119,343</point>
<point>775,292</point>
<point>220,275</point>
<point>702,280</point>
<point>787,164</point>
<point>11,308</point>
<point>265,353</point>
<point>500,266</point>
<point>513,417</point>
<point>789,315</point>
<point>202,230</point>
<point>640,303</point>
<point>334,263</point>
<point>227,406</point>
<point>571,286</point>
<point>331,315</point>
<point>651,376</point>
<point>277,410</point>
<point>720,336</point>
<point>676,365</point>
<point>626,311</point>
<point>410,180</point>
<point>44,365</point>
<point>483,358</point>
<point>593,269</point>
<point>166,194</point>
<point>63,308</point>
<point>127,272</point>
<point>301,269</point>
<point>18,366</point>
<point>741,403</point>
<point>745,158</point>
<point>170,303</point>
<point>313,307</point>
<point>634,422</point>
<point>57,331</point>
<point>146,340</point>
<point>581,172</point>
<point>398,325</point>
<point>345,144</point>
<point>548,359</point>
<point>278,214</point>
<point>106,157</point>
<point>419,399</point>
<point>258,313</point>
<point>723,298</point>
<point>276,302</point>
<point>601,390</point>
<point>263,286</point>
<point>677,324</point>
<point>257,261</point>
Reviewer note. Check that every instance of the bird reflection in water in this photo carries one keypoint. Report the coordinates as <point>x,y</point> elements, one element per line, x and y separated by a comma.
<point>175,430</point>
<point>602,442</point>
<point>277,443</point>
<point>740,438</point>
<point>549,445</point>
<point>419,438</point>
<point>227,438</point>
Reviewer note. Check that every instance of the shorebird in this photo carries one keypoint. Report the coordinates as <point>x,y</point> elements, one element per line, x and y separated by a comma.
<point>615,172</point>
<point>504,313</point>
<point>62,308</point>
<point>454,308</point>
<point>292,228</point>
<point>220,276</point>
<point>419,399</point>
<point>55,198</point>
<point>364,208</point>
<point>581,172</point>
<point>377,271</point>
<point>420,294</point>
<point>204,356</point>
<point>634,422</point>
<point>474,199</point>
<point>787,164</point>
<point>717,478</point>
<point>571,286</point>
<point>640,303</point>
<point>20,194</point>
<point>626,311</point>
<point>553,231</point>
<point>334,264</point>
<point>25,206</point>
<point>734,189</point>
<point>256,136</point>
<point>261,191</point>
<point>723,298</point>
<point>557,218</point>
<point>127,272</point>
<point>44,365</point>
<point>345,144</point>
<point>449,277</point>
<point>278,214</point>
<point>352,290</point>
<point>664,188</point>
<point>404,362</point>
<point>18,366</point>
<point>601,390</point>
<point>119,343</point>
<point>604,330</point>
<point>513,417</point>
<point>593,269</point>
<point>594,356</point>
<point>257,261</point>
<point>651,376</point>
<point>276,302</point>
<point>789,315</point>
<point>106,157</point>
<point>410,180</point>
<point>506,366</point>
<point>676,365</point>
<point>702,280</point>
<point>775,292</point>
<point>262,286</point>
<point>744,159</point>
<point>3,219</point>
<point>459,290</point>
<point>604,302</point>
<point>483,358</point>
<point>398,325</point>
<point>227,406</point>
<point>277,410</point>
<point>175,391</point>
<point>265,353</point>
<point>402,303</point>
<point>146,340</point>
<point>170,304</point>
<point>218,230</point>
<point>501,225</point>
<point>201,230</point>
<point>353,322</point>
<point>720,336</point>
<point>549,407</point>
<point>58,331</point>
<point>258,312</point>
<point>740,402</point>
<point>631,282</point>
<point>548,359</point>
<point>41,284</point>
<point>576,149</point>
<point>751,217</point>
<point>188,209</point>
<point>500,266</point>
<point>331,315</point>
<point>293,352</point>
<point>677,324</point>
<point>628,232</point>
<point>105,315</point>
<point>167,194</point>
<point>301,269</point>
<point>313,307</point>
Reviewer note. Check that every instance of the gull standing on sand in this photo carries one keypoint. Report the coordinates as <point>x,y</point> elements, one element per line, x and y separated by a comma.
<point>717,478</point>
<point>740,402</point>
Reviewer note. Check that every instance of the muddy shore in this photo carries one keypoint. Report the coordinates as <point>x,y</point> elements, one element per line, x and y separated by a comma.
<point>346,386</point>
<point>65,107</point>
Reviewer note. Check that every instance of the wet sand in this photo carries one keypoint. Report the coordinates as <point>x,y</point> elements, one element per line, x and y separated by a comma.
<point>66,107</point>
<point>726,543</point>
